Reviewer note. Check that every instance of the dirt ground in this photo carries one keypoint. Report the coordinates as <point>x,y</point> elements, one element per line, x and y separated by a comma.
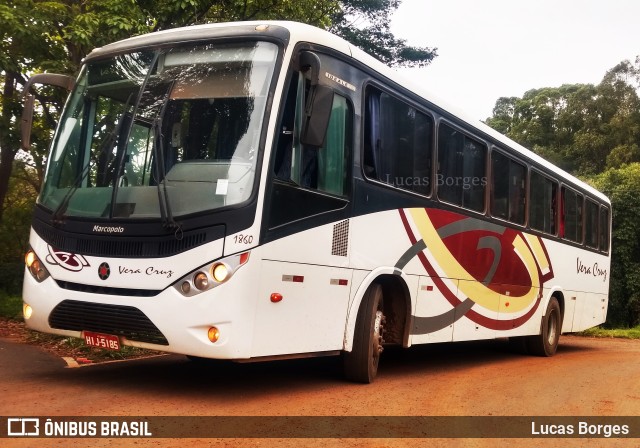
<point>587,377</point>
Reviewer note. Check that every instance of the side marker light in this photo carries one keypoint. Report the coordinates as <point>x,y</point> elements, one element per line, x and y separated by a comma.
<point>213,334</point>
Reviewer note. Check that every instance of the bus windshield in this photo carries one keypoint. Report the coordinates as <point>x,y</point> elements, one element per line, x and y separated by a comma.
<point>165,131</point>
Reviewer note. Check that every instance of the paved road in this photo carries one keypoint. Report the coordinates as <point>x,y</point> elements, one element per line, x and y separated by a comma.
<point>588,377</point>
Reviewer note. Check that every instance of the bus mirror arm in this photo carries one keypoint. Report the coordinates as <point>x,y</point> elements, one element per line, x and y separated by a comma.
<point>26,121</point>
<point>310,61</point>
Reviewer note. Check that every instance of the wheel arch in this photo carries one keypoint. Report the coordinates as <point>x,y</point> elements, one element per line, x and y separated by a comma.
<point>559,295</point>
<point>397,306</point>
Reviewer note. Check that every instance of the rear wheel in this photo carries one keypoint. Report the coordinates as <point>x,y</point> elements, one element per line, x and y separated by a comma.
<point>361,364</point>
<point>546,343</point>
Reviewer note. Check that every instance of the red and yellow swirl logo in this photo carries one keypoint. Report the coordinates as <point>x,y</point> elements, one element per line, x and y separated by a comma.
<point>500,269</point>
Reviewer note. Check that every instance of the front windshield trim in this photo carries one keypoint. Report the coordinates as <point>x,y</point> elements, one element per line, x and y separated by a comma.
<point>125,205</point>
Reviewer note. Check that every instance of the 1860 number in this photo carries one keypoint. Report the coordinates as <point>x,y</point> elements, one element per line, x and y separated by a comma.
<point>243,239</point>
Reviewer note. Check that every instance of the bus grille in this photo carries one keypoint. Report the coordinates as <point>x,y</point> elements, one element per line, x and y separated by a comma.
<point>91,289</point>
<point>118,320</point>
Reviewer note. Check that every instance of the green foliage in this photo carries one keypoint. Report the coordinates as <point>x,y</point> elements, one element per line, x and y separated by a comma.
<point>622,185</point>
<point>625,333</point>
<point>10,306</point>
<point>365,23</point>
<point>14,229</point>
<point>581,127</point>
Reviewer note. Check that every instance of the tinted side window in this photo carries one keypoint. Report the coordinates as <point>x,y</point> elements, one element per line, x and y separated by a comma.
<point>572,204</point>
<point>461,176</point>
<point>333,158</point>
<point>398,143</point>
<point>591,224</point>
<point>507,188</point>
<point>604,229</point>
<point>542,203</point>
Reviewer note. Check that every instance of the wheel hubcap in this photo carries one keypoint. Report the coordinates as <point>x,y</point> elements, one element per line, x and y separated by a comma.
<point>551,330</point>
<point>378,330</point>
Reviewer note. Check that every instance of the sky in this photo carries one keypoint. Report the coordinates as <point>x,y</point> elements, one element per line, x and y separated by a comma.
<point>489,49</point>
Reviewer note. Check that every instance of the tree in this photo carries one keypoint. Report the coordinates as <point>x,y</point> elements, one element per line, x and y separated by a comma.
<point>364,23</point>
<point>14,231</point>
<point>622,185</point>
<point>374,36</point>
<point>583,128</point>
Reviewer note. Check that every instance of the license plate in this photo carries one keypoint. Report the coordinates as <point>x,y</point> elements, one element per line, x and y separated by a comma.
<point>107,341</point>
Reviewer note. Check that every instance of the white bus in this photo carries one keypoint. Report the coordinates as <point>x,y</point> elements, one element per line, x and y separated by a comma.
<point>257,191</point>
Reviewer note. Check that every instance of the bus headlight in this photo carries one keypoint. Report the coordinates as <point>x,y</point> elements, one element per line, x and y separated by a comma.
<point>35,266</point>
<point>27,311</point>
<point>201,281</point>
<point>210,275</point>
<point>220,272</point>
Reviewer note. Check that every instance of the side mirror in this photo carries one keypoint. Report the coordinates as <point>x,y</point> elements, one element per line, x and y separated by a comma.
<point>316,119</point>
<point>318,105</point>
<point>27,113</point>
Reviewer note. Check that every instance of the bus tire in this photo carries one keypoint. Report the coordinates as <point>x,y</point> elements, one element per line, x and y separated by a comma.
<point>361,364</point>
<point>546,343</point>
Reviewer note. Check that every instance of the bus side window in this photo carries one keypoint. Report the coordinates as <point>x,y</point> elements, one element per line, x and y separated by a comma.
<point>604,229</point>
<point>398,144</point>
<point>572,205</point>
<point>543,207</point>
<point>333,158</point>
<point>507,188</point>
<point>461,169</point>
<point>591,224</point>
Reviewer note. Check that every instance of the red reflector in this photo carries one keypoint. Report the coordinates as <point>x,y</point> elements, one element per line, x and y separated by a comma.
<point>276,297</point>
<point>298,278</point>
<point>244,257</point>
<point>429,288</point>
<point>343,282</point>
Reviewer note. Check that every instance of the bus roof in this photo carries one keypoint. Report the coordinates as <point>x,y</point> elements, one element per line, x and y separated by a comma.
<point>294,32</point>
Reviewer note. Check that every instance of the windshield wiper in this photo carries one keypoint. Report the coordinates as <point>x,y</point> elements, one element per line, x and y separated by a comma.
<point>112,139</point>
<point>121,152</point>
<point>163,196</point>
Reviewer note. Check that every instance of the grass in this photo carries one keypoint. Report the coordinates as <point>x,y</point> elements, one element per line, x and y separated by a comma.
<point>10,306</point>
<point>625,333</point>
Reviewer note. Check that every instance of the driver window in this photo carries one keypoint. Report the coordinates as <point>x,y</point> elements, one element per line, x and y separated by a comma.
<point>324,169</point>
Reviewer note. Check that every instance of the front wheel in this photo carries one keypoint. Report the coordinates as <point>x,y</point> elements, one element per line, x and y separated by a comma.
<point>361,364</point>
<point>546,343</point>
